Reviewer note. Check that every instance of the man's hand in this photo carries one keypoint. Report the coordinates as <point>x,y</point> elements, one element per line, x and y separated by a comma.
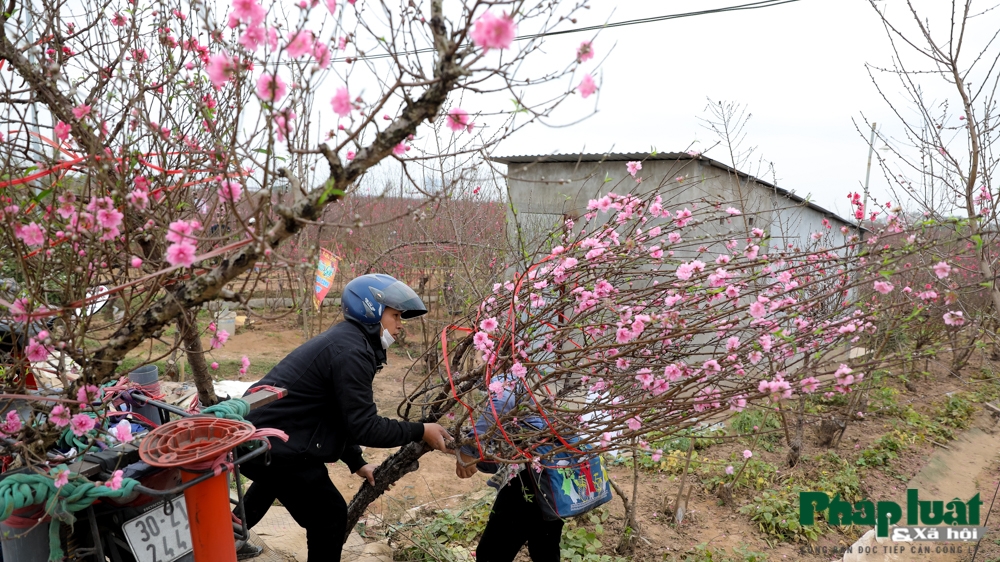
<point>436,436</point>
<point>465,466</point>
<point>368,473</point>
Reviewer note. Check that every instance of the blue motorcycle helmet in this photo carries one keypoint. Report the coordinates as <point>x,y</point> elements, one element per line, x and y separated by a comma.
<point>365,298</point>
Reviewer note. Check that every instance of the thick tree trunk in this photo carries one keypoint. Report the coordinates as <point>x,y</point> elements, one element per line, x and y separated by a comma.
<point>399,464</point>
<point>188,326</point>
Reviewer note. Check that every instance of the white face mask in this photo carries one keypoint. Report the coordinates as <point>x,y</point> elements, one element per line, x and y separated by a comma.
<point>386,339</point>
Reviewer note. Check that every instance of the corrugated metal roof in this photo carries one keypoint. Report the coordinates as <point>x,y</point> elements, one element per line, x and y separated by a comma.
<point>595,157</point>
<point>643,156</point>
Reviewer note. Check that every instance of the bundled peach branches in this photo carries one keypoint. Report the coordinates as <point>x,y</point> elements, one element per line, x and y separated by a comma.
<point>646,317</point>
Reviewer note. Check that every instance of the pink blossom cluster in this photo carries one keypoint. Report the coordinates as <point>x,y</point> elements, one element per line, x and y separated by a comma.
<point>689,337</point>
<point>181,251</point>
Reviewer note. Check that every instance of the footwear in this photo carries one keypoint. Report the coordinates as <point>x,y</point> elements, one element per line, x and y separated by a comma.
<point>497,481</point>
<point>246,551</point>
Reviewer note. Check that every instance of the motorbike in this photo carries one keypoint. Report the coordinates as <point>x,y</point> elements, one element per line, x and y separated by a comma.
<point>149,525</point>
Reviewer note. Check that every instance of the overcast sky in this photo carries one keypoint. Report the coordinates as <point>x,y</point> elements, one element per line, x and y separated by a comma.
<point>798,68</point>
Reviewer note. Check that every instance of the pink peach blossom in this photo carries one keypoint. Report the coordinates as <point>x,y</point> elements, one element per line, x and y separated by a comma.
<point>116,480</point>
<point>219,339</point>
<point>587,86</point>
<point>81,424</point>
<point>299,43</point>
<point>81,111</point>
<point>62,131</point>
<point>36,351</point>
<point>248,11</point>
<point>182,230</point>
<point>229,190</point>
<point>341,102</point>
<point>220,68</point>
<point>942,269</point>
<point>12,424</point>
<point>59,415</point>
<point>31,234</point>
<point>883,287</point>
<point>87,394</point>
<point>181,254</point>
<point>458,120</point>
<point>271,88</point>
<point>518,370</point>
<point>954,318</point>
<point>321,52</point>
<point>283,124</point>
<point>123,431</point>
<point>493,32</point>
<point>61,477</point>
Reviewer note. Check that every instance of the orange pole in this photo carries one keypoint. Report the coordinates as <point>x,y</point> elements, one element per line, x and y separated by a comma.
<point>210,519</point>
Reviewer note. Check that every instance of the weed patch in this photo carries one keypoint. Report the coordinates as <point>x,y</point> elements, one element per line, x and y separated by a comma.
<point>957,411</point>
<point>705,553</point>
<point>446,536</point>
<point>580,543</point>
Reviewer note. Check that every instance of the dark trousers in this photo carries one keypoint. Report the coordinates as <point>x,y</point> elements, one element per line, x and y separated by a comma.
<point>516,520</point>
<point>303,486</point>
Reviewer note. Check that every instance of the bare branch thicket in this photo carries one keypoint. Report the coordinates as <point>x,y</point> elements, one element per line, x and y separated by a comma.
<point>943,161</point>
<point>146,149</point>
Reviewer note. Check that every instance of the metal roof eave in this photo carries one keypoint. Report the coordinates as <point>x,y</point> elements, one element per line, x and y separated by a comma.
<point>643,156</point>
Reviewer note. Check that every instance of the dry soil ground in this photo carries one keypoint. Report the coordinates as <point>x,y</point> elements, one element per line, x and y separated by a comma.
<point>958,469</point>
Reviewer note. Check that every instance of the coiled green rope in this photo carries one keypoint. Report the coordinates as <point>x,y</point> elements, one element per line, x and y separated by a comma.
<point>232,409</point>
<point>18,491</point>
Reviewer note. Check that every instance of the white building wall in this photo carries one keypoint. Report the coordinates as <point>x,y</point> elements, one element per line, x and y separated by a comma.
<point>543,194</point>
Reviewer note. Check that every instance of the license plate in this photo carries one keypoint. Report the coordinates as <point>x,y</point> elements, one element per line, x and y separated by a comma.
<point>157,537</point>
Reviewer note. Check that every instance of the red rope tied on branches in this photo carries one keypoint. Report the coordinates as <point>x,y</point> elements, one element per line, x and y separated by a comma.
<point>152,390</point>
<point>490,366</point>
<point>76,158</point>
<point>38,314</point>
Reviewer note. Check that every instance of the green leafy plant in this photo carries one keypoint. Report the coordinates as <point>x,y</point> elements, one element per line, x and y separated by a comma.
<point>882,451</point>
<point>756,423</point>
<point>844,482</point>
<point>882,400</point>
<point>757,475</point>
<point>671,462</point>
<point>957,411</point>
<point>581,544</point>
<point>444,536</point>
<point>776,513</point>
<point>925,426</point>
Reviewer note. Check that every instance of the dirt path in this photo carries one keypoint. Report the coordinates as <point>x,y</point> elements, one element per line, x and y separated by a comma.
<point>965,468</point>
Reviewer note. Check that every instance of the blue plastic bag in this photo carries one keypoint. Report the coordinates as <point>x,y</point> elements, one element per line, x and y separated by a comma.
<point>571,484</point>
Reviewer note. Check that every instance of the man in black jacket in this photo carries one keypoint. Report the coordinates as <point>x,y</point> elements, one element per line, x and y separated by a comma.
<point>330,412</point>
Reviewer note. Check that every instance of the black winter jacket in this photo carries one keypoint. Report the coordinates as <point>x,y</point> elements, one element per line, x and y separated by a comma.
<point>329,410</point>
